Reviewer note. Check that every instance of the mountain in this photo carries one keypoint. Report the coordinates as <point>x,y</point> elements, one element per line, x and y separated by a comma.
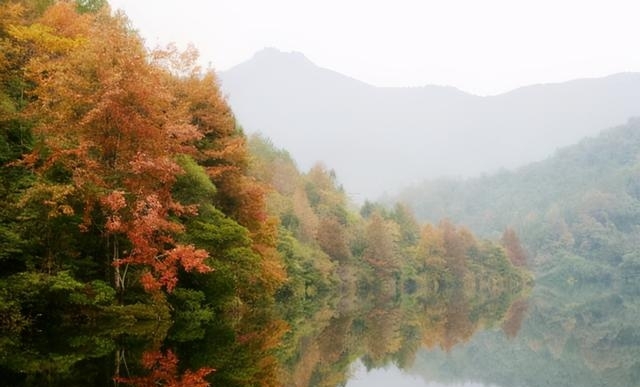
<point>381,138</point>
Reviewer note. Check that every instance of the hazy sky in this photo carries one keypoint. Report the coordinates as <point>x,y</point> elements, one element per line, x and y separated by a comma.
<point>484,47</point>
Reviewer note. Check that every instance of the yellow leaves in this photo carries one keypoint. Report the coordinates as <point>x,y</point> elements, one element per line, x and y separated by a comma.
<point>176,62</point>
<point>7,107</point>
<point>59,31</point>
<point>11,13</point>
<point>66,21</point>
<point>431,242</point>
<point>304,213</point>
<point>54,197</point>
<point>43,36</point>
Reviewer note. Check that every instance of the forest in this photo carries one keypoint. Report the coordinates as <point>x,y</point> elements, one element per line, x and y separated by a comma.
<point>577,211</point>
<point>138,223</point>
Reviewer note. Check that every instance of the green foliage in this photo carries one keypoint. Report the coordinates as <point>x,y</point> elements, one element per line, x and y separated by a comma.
<point>42,298</point>
<point>236,264</point>
<point>191,315</point>
<point>581,202</point>
<point>193,186</point>
<point>90,5</point>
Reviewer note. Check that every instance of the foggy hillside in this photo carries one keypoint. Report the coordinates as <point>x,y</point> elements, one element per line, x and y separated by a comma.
<point>381,138</point>
<point>584,199</point>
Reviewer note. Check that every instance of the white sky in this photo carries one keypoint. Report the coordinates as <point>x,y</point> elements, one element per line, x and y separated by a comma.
<point>480,46</point>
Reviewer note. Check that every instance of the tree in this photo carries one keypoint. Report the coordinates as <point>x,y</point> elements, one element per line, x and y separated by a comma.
<point>163,370</point>
<point>221,149</point>
<point>514,317</point>
<point>331,237</point>
<point>513,248</point>
<point>381,250</point>
<point>110,126</point>
<point>408,225</point>
<point>456,243</point>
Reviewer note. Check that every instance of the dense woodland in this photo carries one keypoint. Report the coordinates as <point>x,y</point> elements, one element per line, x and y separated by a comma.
<point>135,213</point>
<point>576,212</point>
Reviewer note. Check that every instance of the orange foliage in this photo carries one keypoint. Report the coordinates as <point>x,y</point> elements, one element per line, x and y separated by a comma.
<point>514,318</point>
<point>113,116</point>
<point>514,250</point>
<point>150,231</point>
<point>222,150</point>
<point>456,242</point>
<point>109,117</point>
<point>381,251</point>
<point>331,237</point>
<point>164,372</point>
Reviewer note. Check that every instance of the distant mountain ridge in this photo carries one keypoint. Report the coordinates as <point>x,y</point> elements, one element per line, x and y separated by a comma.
<point>383,138</point>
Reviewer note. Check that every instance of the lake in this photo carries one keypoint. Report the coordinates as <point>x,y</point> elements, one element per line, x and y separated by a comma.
<point>571,335</point>
<point>560,335</point>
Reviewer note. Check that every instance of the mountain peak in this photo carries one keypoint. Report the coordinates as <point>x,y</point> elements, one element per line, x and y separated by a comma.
<point>272,54</point>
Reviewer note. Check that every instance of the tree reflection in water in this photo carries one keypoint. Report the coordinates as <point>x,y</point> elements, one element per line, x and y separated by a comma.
<point>259,348</point>
<point>163,371</point>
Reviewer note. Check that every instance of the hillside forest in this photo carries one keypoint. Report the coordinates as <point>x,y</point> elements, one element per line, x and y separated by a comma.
<point>144,238</point>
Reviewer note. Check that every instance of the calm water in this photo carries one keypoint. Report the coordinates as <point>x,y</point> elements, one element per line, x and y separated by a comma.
<point>562,336</point>
<point>393,376</point>
<point>569,336</point>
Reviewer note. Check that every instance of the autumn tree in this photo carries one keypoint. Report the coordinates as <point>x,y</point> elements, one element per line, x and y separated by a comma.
<point>162,370</point>
<point>109,126</point>
<point>307,219</point>
<point>514,318</point>
<point>456,243</point>
<point>383,336</point>
<point>409,229</point>
<point>513,248</point>
<point>221,149</point>
<point>332,238</point>
<point>381,251</point>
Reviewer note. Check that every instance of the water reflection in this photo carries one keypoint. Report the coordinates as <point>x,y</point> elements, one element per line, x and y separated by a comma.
<point>562,334</point>
<point>145,353</point>
<point>378,331</point>
<point>259,348</point>
<point>162,370</point>
<point>393,376</point>
<point>570,335</point>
